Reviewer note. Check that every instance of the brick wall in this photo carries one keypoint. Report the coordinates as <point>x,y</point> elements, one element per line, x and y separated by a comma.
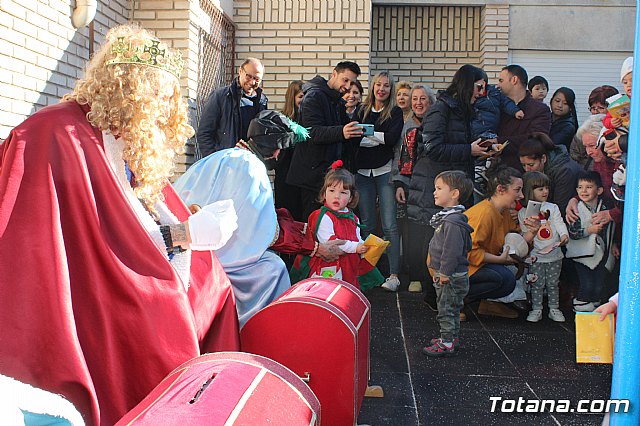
<point>171,21</point>
<point>180,24</point>
<point>425,44</point>
<point>495,39</point>
<point>42,55</point>
<point>299,39</point>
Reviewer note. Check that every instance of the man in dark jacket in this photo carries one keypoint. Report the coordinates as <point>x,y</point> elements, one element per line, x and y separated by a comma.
<point>537,116</point>
<point>229,109</point>
<point>322,111</point>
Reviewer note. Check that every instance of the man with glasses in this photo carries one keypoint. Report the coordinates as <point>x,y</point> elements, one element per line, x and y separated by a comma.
<point>229,110</point>
<point>512,82</point>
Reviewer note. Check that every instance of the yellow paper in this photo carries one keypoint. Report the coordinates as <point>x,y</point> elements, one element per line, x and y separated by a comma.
<point>594,338</point>
<point>377,246</point>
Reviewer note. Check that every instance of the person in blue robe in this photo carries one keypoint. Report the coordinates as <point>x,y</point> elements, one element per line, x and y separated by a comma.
<point>257,275</point>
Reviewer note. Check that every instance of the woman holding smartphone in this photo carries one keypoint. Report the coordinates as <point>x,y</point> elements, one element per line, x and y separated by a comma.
<point>446,145</point>
<point>373,163</point>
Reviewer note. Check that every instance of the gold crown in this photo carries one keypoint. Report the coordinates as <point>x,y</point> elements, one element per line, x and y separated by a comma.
<point>149,52</point>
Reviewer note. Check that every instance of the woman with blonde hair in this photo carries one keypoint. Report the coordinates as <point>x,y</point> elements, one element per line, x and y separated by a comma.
<point>120,282</point>
<point>373,164</point>
<point>413,252</point>
<point>403,98</point>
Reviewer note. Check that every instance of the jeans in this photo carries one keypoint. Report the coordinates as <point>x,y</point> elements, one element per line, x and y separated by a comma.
<point>380,187</point>
<point>491,281</point>
<point>591,282</point>
<point>450,299</point>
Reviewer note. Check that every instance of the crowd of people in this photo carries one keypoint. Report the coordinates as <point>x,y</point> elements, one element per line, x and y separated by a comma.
<point>128,273</point>
<point>517,151</point>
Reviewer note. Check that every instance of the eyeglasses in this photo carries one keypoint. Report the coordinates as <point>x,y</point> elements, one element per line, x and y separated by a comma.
<point>251,77</point>
<point>598,109</point>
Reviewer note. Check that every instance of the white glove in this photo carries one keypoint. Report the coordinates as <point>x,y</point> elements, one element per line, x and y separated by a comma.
<point>213,225</point>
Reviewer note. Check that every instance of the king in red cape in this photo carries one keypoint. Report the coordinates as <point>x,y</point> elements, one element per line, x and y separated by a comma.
<point>101,295</point>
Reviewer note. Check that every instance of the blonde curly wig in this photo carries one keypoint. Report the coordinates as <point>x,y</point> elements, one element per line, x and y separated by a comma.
<point>140,104</point>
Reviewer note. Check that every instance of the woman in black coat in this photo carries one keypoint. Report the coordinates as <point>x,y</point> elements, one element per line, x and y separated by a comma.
<point>446,145</point>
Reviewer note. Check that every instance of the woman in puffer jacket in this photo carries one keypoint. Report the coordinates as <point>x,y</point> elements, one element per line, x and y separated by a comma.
<point>446,145</point>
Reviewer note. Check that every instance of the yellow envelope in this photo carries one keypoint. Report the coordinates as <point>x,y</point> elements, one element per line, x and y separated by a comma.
<point>377,246</point>
<point>594,338</point>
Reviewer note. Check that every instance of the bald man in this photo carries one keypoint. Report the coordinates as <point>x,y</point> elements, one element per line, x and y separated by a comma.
<point>229,109</point>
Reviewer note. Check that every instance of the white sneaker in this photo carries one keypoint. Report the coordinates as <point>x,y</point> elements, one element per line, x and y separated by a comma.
<point>391,284</point>
<point>535,315</point>
<point>556,315</point>
<point>415,287</point>
<point>580,306</point>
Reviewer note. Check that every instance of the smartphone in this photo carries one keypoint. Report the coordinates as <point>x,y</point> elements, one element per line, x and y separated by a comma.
<point>533,208</point>
<point>367,129</point>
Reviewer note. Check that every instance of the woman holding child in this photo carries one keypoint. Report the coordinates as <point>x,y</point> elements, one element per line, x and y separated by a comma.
<point>491,220</point>
<point>446,144</point>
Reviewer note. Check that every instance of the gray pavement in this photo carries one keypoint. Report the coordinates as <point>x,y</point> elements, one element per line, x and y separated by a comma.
<point>500,358</point>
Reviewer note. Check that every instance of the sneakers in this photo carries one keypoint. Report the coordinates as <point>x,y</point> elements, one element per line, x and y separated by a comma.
<point>391,284</point>
<point>456,342</point>
<point>496,309</point>
<point>415,287</point>
<point>580,306</point>
<point>556,315</point>
<point>439,349</point>
<point>536,315</point>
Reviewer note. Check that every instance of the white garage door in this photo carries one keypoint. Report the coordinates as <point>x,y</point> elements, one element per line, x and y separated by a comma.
<point>580,71</point>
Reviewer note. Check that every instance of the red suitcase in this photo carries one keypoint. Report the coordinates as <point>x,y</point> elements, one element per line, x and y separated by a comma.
<point>318,328</point>
<point>228,388</point>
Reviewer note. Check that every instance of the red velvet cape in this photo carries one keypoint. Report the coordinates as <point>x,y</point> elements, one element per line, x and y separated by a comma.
<point>89,306</point>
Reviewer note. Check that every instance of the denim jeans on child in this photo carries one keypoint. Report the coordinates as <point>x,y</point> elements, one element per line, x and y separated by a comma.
<point>591,282</point>
<point>450,299</point>
<point>380,187</point>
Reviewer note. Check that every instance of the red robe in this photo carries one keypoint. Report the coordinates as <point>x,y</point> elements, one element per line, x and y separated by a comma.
<point>89,306</point>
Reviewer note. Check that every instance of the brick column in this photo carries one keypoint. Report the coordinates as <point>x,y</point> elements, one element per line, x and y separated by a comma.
<point>495,38</point>
<point>176,22</point>
<point>299,39</point>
